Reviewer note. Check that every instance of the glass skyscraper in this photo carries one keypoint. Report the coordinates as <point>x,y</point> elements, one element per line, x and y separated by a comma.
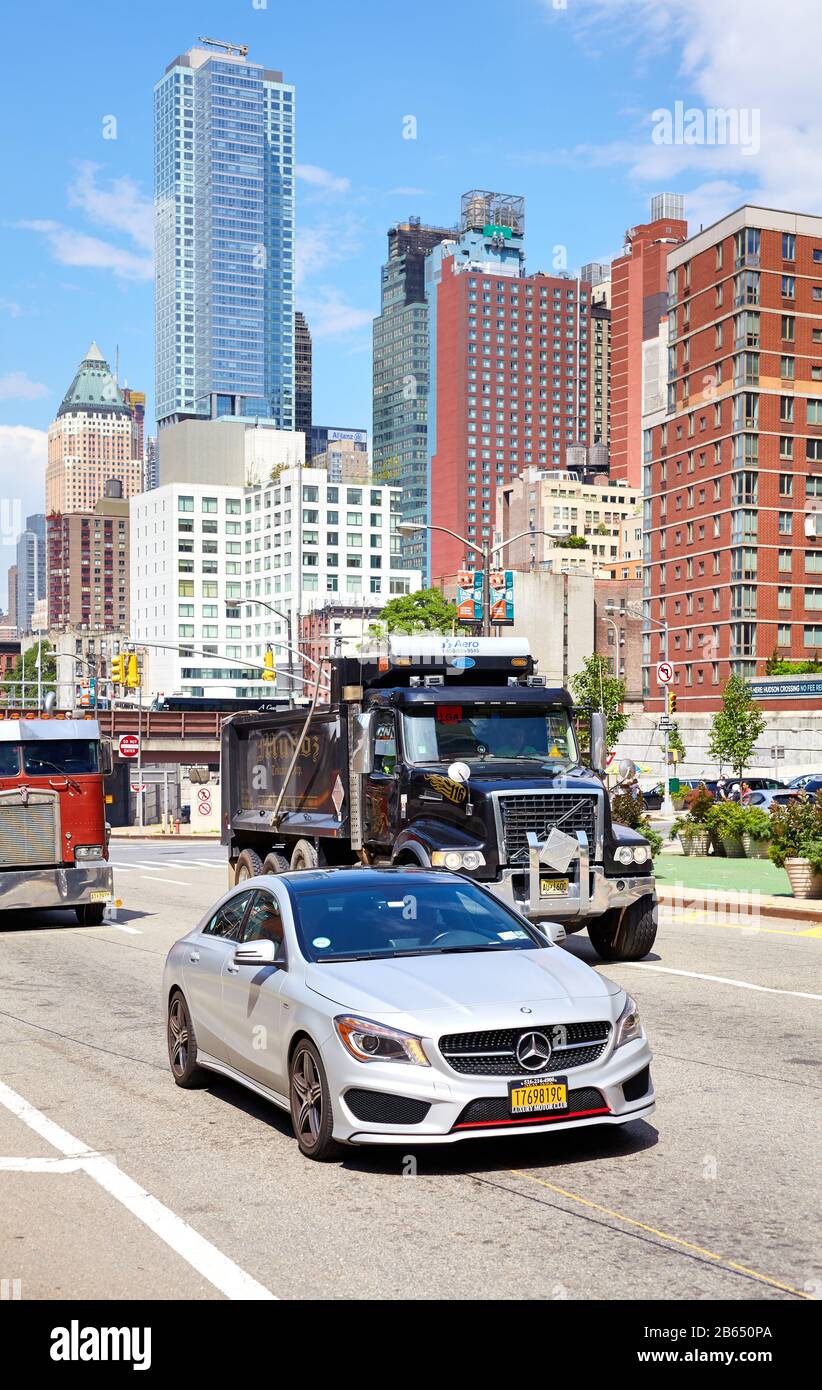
<point>224,238</point>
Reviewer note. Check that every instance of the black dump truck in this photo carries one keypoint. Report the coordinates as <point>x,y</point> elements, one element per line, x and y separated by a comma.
<point>447,752</point>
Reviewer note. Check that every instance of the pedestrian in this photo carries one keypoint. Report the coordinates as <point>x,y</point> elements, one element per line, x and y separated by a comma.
<point>722,787</point>
<point>744,794</point>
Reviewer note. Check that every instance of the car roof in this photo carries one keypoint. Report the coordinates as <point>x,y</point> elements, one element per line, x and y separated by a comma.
<point>346,876</point>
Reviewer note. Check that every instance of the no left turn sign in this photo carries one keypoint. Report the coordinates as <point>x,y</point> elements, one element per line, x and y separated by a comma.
<point>664,673</point>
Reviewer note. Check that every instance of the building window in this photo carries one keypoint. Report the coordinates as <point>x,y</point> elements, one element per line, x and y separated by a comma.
<point>783,635</point>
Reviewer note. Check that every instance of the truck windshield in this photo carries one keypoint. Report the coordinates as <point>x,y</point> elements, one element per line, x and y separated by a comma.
<point>490,733</point>
<point>66,757</point>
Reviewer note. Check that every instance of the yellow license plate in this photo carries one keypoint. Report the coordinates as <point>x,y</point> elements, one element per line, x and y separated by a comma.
<point>550,886</point>
<point>533,1097</point>
<point>99,896</point>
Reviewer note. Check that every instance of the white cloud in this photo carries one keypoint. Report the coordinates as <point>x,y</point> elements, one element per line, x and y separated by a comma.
<point>330,316</point>
<point>23,456</point>
<point>317,177</point>
<point>16,386</point>
<point>324,245</point>
<point>70,247</point>
<point>11,307</point>
<point>756,56</point>
<point>122,205</point>
<point>407,192</point>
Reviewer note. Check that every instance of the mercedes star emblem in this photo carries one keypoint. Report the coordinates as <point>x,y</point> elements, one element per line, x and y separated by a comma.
<point>533,1052</point>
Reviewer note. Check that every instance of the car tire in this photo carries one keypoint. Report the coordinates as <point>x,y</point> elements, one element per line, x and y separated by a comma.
<point>629,937</point>
<point>311,1114</point>
<point>275,863</point>
<point>182,1045</point>
<point>249,865</point>
<point>305,856</point>
<point>90,914</point>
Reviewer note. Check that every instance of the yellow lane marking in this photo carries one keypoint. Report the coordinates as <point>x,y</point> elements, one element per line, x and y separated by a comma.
<point>696,917</point>
<point>663,1235</point>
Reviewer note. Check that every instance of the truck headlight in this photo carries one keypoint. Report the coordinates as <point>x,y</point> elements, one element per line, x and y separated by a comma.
<point>373,1042</point>
<point>457,859</point>
<point>88,851</point>
<point>641,854</point>
<point>628,1025</point>
<point>624,855</point>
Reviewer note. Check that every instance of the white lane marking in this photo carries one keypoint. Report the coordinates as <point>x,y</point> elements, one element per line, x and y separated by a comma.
<point>41,1165</point>
<point>721,980</point>
<point>157,878</point>
<point>199,1253</point>
<point>121,926</point>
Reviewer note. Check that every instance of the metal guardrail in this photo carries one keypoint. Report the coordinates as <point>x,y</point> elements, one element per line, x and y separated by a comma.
<point>181,724</point>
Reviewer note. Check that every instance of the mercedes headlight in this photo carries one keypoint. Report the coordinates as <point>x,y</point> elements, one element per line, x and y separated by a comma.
<point>457,859</point>
<point>629,1024</point>
<point>374,1042</point>
<point>624,855</point>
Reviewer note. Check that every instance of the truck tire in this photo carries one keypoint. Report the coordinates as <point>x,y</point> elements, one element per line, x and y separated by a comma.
<point>249,865</point>
<point>628,938</point>
<point>276,863</point>
<point>305,856</point>
<point>90,914</point>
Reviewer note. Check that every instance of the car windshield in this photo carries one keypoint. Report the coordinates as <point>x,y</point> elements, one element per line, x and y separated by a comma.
<point>489,733</point>
<point>65,757</point>
<point>362,921</point>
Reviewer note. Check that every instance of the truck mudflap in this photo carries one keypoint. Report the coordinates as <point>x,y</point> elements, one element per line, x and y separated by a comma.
<point>29,889</point>
<point>577,896</point>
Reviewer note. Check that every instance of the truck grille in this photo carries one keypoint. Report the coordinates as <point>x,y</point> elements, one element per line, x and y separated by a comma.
<point>540,812</point>
<point>493,1053</point>
<point>27,832</point>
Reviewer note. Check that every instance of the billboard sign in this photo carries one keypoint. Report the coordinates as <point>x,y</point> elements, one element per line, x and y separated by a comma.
<point>469,596</point>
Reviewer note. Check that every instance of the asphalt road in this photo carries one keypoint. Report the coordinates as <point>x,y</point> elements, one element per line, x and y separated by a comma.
<point>116,1184</point>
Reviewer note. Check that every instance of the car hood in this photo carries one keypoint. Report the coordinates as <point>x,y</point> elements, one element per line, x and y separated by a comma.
<point>462,984</point>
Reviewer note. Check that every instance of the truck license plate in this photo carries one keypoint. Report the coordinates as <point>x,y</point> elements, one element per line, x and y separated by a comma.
<point>549,887</point>
<point>534,1097</point>
<point>99,895</point>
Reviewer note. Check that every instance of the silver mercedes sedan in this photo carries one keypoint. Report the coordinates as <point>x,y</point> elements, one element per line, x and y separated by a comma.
<point>400,1006</point>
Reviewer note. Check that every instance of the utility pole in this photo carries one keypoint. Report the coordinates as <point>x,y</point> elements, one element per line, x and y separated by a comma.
<point>140,806</point>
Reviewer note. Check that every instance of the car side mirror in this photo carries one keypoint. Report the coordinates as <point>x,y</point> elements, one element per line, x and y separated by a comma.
<point>598,748</point>
<point>362,743</point>
<point>263,952</point>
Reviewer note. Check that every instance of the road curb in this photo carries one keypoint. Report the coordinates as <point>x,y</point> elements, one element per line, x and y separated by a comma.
<point>749,903</point>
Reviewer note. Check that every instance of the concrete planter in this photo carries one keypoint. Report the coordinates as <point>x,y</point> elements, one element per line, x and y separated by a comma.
<point>695,844</point>
<point>806,881</point>
<point>733,848</point>
<point>754,849</point>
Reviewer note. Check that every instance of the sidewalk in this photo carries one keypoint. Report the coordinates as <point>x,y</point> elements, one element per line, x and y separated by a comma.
<point>746,885</point>
<point>156,832</point>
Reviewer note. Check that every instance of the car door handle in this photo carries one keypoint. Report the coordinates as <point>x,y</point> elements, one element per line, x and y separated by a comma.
<point>232,969</point>
<point>194,957</point>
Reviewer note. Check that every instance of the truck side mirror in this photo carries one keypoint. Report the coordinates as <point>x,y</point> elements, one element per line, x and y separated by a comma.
<point>106,758</point>
<point>362,743</point>
<point>598,748</point>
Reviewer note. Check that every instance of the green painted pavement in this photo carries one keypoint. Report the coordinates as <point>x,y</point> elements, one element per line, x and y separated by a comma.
<point>732,875</point>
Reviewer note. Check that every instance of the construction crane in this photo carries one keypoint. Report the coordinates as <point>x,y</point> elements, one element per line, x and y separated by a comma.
<point>241,49</point>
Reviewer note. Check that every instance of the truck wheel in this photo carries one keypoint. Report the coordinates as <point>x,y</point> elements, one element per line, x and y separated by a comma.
<point>630,938</point>
<point>305,856</point>
<point>249,865</point>
<point>276,863</point>
<point>90,914</point>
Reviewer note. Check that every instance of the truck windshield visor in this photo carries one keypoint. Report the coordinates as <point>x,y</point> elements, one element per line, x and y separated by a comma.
<point>490,733</point>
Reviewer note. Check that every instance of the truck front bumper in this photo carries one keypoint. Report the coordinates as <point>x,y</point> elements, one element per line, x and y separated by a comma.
<point>590,892</point>
<point>28,889</point>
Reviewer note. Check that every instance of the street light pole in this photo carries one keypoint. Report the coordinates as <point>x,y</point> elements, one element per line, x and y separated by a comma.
<point>286,617</point>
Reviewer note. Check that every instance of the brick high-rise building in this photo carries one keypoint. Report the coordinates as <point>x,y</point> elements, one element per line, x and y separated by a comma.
<point>509,372</point>
<point>638,306</point>
<point>136,402</point>
<point>93,440</point>
<point>88,558</point>
<point>733,465</point>
<point>302,379</point>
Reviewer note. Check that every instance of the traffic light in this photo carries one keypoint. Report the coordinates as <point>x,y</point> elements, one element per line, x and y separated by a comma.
<point>671,701</point>
<point>118,669</point>
<point>269,673</point>
<point>132,671</point>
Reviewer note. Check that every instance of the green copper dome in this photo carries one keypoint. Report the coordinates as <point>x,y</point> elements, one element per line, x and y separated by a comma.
<point>94,387</point>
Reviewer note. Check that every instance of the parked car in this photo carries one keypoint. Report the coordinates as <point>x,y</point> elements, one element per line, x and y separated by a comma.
<point>400,1006</point>
<point>809,782</point>
<point>767,797</point>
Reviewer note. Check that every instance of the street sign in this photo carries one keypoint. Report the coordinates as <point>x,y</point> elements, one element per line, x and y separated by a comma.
<point>129,746</point>
<point>665,724</point>
<point>664,673</point>
<point>138,786</point>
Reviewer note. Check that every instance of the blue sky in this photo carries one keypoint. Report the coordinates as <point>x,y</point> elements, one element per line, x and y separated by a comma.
<point>550,100</point>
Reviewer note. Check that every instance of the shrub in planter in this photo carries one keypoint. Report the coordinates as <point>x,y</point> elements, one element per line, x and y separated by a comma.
<point>756,832</point>
<point>630,810</point>
<point>796,843</point>
<point>726,822</point>
<point>691,828</point>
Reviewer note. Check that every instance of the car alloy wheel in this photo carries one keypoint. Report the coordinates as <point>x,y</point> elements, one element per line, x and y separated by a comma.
<point>311,1104</point>
<point>182,1045</point>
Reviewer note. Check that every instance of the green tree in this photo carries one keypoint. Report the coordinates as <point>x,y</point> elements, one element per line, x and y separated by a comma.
<point>736,727</point>
<point>424,611</point>
<point>23,676</point>
<point>573,543</point>
<point>595,687</point>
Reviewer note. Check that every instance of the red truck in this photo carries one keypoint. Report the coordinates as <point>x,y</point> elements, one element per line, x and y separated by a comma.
<point>53,832</point>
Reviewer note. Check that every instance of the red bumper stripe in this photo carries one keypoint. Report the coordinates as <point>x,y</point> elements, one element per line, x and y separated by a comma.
<point>532,1119</point>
